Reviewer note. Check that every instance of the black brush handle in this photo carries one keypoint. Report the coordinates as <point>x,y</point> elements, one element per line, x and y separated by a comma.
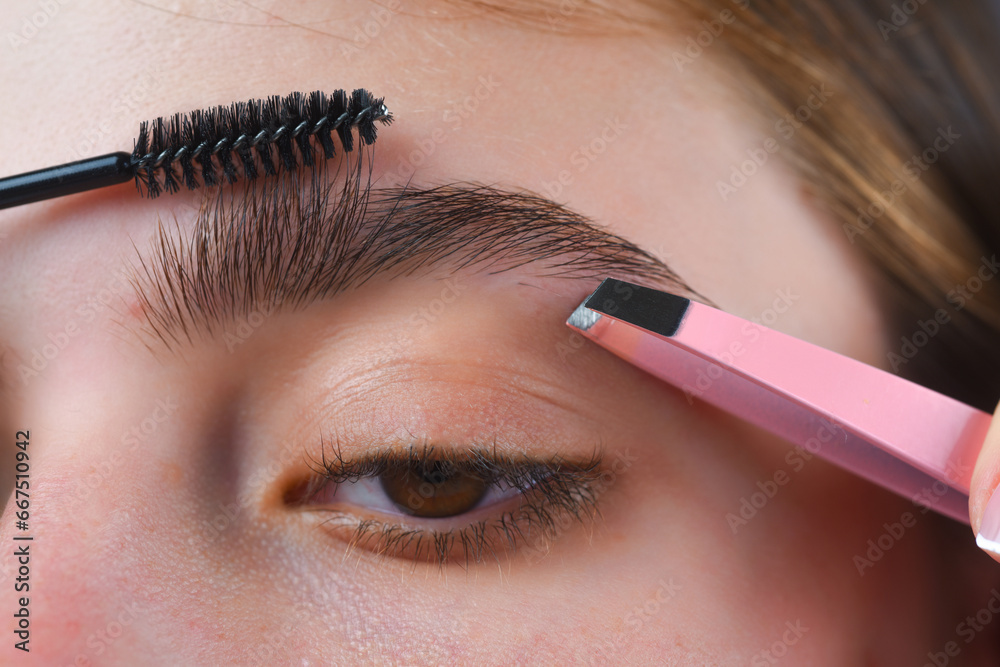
<point>66,179</point>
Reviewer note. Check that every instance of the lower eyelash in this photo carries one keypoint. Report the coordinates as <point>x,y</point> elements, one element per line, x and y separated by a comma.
<point>533,525</point>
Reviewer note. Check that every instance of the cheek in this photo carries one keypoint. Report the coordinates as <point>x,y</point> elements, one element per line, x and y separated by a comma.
<point>704,511</point>
<point>78,605</point>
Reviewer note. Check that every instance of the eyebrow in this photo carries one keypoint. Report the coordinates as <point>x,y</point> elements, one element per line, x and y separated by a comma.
<point>293,241</point>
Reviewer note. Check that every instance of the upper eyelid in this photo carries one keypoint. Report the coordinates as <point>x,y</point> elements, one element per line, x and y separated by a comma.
<point>338,236</point>
<point>518,470</point>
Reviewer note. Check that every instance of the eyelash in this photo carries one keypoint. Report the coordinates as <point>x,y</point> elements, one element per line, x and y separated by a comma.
<point>551,494</point>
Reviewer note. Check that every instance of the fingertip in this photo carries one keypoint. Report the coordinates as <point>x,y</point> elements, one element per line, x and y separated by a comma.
<point>984,500</point>
<point>988,532</point>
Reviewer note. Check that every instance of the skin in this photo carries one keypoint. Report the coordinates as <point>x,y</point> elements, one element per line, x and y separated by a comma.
<point>658,577</point>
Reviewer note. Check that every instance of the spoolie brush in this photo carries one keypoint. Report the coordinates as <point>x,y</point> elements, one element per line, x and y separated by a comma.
<point>208,147</point>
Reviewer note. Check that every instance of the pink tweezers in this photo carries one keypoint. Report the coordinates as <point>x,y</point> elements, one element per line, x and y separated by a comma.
<point>900,435</point>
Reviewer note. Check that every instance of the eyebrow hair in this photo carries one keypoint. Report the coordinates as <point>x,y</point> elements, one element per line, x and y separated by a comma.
<point>294,240</point>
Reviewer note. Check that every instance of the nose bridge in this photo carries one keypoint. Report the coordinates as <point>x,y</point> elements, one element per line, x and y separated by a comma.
<point>98,454</point>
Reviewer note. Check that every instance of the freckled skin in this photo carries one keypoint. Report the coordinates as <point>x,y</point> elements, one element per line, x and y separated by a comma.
<point>180,519</point>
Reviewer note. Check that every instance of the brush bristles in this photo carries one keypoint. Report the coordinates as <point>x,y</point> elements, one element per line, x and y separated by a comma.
<point>251,139</point>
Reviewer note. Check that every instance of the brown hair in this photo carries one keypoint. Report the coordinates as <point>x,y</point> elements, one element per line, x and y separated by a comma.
<point>906,156</point>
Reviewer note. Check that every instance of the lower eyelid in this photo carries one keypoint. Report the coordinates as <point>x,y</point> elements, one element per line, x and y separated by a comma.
<point>530,527</point>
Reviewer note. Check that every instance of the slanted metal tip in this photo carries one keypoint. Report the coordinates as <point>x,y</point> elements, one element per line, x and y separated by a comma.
<point>583,318</point>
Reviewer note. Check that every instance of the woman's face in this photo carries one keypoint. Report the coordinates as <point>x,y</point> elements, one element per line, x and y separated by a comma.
<point>166,500</point>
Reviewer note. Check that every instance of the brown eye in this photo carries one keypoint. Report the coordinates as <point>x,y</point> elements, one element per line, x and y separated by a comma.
<point>432,489</point>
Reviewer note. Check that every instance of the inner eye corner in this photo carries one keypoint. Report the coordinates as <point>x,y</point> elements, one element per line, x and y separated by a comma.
<point>300,490</point>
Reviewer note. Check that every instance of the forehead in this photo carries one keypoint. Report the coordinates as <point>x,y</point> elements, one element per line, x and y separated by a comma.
<point>146,61</point>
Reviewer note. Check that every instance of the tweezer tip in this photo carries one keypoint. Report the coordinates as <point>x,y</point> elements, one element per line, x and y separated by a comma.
<point>583,318</point>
